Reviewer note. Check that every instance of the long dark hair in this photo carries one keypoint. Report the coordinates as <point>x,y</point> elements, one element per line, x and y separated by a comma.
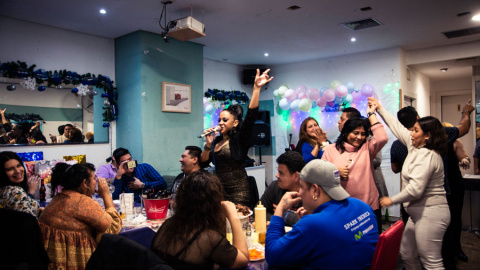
<point>349,126</point>
<point>70,177</point>
<point>437,140</point>
<point>237,112</point>
<point>303,136</point>
<point>4,157</point>
<point>197,208</point>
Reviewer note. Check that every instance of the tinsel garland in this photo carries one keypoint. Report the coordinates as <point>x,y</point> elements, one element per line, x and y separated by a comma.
<point>57,77</point>
<point>222,95</point>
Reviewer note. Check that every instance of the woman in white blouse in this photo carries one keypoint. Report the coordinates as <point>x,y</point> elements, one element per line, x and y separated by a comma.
<point>423,194</point>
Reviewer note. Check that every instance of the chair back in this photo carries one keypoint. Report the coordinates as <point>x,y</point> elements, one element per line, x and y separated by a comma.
<point>22,244</point>
<point>254,197</point>
<point>115,252</point>
<point>388,247</point>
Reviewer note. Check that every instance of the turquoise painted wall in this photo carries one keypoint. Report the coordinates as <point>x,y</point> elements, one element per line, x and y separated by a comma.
<point>128,57</point>
<point>162,136</point>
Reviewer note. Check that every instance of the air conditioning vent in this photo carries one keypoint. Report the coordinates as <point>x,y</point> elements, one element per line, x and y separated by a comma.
<point>462,32</point>
<point>361,24</point>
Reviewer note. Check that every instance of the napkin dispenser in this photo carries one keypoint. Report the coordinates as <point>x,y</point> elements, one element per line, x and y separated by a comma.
<point>126,203</point>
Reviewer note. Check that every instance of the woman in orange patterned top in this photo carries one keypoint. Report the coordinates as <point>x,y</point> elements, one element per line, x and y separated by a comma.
<point>73,223</point>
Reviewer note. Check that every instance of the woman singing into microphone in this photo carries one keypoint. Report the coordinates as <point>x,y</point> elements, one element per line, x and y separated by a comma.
<point>229,150</point>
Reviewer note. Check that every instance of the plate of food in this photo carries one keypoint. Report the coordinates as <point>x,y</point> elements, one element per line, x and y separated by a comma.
<point>243,211</point>
<point>256,255</point>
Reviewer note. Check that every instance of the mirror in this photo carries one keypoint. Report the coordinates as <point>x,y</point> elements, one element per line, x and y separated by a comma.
<point>56,106</point>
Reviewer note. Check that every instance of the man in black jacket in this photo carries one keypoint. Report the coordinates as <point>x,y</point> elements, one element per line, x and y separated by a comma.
<point>290,164</point>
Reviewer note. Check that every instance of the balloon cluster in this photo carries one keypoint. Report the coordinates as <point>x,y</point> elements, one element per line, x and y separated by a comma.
<point>330,99</point>
<point>218,99</point>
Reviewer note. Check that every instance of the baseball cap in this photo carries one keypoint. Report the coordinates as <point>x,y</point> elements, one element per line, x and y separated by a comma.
<point>326,175</point>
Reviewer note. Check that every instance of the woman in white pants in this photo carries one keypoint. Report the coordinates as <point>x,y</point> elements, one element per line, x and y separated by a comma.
<point>423,195</point>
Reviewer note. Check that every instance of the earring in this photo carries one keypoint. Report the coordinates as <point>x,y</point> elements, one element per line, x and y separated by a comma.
<point>315,198</point>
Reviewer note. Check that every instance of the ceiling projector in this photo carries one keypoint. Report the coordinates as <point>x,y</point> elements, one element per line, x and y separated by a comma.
<point>187,28</point>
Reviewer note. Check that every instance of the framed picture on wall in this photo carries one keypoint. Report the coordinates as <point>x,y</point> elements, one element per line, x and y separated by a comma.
<point>176,97</point>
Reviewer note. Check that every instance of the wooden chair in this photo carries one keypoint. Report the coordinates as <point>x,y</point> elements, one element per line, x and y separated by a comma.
<point>388,247</point>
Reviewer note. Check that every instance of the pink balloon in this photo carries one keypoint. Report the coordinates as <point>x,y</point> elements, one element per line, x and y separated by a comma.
<point>301,89</point>
<point>367,90</point>
<point>302,95</point>
<point>329,95</point>
<point>341,91</point>
<point>321,102</point>
<point>357,96</point>
<point>291,95</point>
<point>313,94</point>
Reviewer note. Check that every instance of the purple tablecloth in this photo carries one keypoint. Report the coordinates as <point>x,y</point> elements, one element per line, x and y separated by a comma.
<point>143,236</point>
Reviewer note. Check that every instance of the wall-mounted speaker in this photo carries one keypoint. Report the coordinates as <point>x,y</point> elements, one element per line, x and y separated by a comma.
<point>249,75</point>
<point>261,134</point>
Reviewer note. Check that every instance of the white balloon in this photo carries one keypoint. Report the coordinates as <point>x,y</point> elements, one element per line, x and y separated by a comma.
<point>209,109</point>
<point>284,104</point>
<point>281,91</point>
<point>294,106</point>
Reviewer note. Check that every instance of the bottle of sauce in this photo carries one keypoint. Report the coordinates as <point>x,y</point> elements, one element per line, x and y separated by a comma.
<point>43,195</point>
<point>261,222</point>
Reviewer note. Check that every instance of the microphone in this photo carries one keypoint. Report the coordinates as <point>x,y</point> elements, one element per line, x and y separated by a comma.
<point>217,128</point>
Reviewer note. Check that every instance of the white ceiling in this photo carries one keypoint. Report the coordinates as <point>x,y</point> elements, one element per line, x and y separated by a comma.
<point>241,31</point>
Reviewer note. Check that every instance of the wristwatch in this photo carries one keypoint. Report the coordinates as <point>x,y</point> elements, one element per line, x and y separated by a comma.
<point>370,114</point>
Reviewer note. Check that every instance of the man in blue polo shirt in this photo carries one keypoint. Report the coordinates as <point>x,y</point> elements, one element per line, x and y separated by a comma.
<point>134,180</point>
<point>335,232</point>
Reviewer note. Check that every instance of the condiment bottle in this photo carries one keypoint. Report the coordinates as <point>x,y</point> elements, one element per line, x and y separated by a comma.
<point>261,222</point>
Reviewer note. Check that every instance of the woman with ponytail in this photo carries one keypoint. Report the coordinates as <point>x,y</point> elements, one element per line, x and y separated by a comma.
<point>229,150</point>
<point>73,223</point>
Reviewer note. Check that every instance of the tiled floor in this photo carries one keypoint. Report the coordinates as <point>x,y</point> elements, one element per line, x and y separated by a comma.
<point>471,247</point>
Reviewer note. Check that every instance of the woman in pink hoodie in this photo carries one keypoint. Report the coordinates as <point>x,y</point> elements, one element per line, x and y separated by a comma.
<point>353,153</point>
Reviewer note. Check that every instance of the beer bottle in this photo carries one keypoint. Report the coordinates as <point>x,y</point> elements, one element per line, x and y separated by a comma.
<point>43,194</point>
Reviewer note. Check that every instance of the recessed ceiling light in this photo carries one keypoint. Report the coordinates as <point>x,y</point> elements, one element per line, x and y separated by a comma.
<point>266,54</point>
<point>103,11</point>
<point>444,69</point>
<point>353,39</point>
<point>476,17</point>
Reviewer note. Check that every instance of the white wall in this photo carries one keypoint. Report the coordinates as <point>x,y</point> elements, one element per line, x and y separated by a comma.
<point>54,49</point>
<point>418,88</point>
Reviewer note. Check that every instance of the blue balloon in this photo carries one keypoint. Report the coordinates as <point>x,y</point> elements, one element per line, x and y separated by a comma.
<point>41,88</point>
<point>350,86</point>
<point>75,90</point>
<point>314,104</point>
<point>105,125</point>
